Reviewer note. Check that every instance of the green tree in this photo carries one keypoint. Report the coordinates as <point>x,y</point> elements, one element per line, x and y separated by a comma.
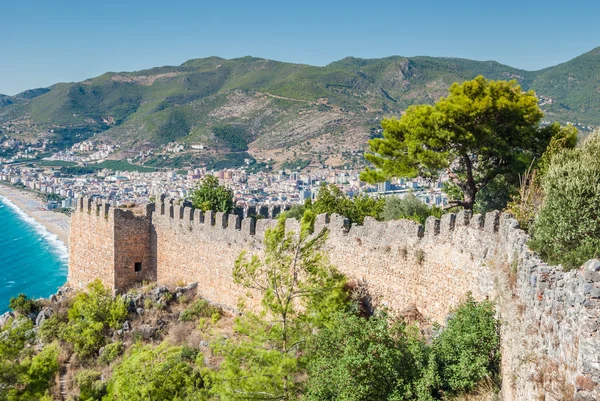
<point>409,207</point>
<point>23,305</point>
<point>91,316</point>
<point>299,291</point>
<point>483,129</point>
<point>526,203</point>
<point>567,227</point>
<point>210,195</point>
<point>163,373</point>
<point>331,199</point>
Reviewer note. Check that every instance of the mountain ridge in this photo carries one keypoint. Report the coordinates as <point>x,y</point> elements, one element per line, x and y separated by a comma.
<point>277,110</point>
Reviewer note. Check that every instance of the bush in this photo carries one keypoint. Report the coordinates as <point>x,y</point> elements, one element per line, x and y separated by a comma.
<point>23,305</point>
<point>92,314</point>
<point>52,328</point>
<point>200,308</point>
<point>567,227</point>
<point>36,375</point>
<point>331,199</point>
<point>111,352</point>
<point>359,359</point>
<point>409,207</point>
<point>91,386</point>
<point>164,373</point>
<point>467,350</point>
<point>526,203</point>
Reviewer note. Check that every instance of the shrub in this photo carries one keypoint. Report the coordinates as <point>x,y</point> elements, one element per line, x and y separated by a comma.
<point>200,308</point>
<point>359,359</point>
<point>90,385</point>
<point>567,228</point>
<point>92,314</point>
<point>409,207</point>
<point>467,350</point>
<point>164,373</point>
<point>36,375</point>
<point>23,305</point>
<point>111,352</point>
<point>526,204</point>
<point>52,328</point>
<point>331,199</point>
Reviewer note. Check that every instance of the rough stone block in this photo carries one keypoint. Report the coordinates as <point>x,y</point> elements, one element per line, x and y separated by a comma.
<point>432,227</point>
<point>292,226</point>
<point>234,222</point>
<point>221,220</point>
<point>198,216</point>
<point>477,221</point>
<point>447,223</point>
<point>492,220</point>
<point>209,218</point>
<point>249,225</point>
<point>188,214</point>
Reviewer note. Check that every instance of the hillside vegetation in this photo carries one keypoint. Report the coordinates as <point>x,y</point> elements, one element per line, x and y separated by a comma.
<point>274,109</point>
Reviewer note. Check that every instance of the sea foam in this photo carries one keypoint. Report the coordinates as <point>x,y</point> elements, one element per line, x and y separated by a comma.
<point>56,245</point>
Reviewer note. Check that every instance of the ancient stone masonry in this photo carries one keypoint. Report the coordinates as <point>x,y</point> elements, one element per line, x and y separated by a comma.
<point>114,245</point>
<point>550,318</point>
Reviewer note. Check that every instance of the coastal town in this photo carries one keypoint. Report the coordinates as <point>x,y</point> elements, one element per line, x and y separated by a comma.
<point>282,187</point>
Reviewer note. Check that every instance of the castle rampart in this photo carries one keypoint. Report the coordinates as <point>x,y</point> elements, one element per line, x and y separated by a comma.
<point>550,339</point>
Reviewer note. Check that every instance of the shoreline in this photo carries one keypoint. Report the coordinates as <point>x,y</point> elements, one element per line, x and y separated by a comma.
<point>57,223</point>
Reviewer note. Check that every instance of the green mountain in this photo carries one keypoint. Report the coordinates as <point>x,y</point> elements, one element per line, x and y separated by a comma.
<point>270,109</point>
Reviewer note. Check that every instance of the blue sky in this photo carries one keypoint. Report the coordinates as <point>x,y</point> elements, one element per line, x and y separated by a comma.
<point>43,42</point>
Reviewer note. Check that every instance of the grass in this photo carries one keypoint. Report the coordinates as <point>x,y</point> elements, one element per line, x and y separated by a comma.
<point>120,165</point>
<point>55,163</point>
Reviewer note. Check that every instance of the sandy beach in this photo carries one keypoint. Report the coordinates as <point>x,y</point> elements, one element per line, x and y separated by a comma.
<point>56,223</point>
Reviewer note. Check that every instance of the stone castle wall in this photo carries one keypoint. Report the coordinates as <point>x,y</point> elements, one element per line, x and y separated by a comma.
<point>107,243</point>
<point>91,244</point>
<point>550,341</point>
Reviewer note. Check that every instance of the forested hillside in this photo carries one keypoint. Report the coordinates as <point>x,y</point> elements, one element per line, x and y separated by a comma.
<point>273,109</point>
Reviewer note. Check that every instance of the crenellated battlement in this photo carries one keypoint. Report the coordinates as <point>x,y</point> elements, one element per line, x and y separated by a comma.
<point>549,315</point>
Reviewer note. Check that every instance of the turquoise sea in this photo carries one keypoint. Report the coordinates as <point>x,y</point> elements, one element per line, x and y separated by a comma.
<point>32,260</point>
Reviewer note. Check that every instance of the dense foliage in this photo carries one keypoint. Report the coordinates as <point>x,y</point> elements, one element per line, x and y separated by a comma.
<point>567,227</point>
<point>526,203</point>
<point>23,375</point>
<point>91,316</point>
<point>234,137</point>
<point>360,359</point>
<point>23,305</point>
<point>331,199</point>
<point>482,130</point>
<point>210,195</point>
<point>163,373</point>
<point>409,207</point>
<point>299,290</point>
